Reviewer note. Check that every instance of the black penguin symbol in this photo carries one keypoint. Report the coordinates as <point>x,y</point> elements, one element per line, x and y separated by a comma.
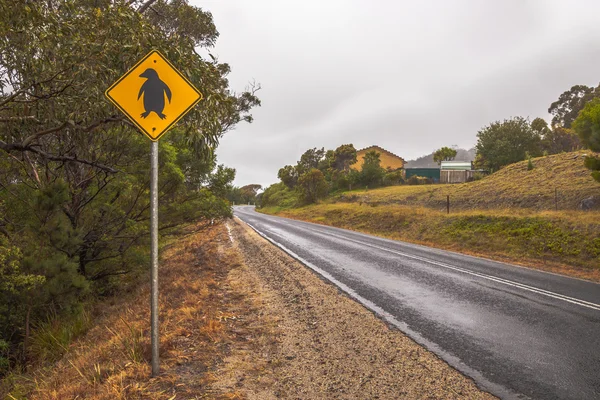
<point>154,91</point>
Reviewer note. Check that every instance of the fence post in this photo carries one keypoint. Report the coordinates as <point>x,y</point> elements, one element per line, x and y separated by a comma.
<point>556,199</point>
<point>448,204</point>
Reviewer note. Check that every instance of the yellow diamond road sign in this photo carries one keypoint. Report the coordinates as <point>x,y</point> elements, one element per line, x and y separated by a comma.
<point>154,95</point>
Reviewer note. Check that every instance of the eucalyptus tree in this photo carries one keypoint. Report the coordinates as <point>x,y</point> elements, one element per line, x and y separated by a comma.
<point>74,172</point>
<point>587,126</point>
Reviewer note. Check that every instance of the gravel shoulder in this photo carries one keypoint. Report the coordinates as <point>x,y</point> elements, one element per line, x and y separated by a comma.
<point>308,340</point>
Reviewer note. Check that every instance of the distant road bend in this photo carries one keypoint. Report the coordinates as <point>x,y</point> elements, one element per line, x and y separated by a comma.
<point>519,333</point>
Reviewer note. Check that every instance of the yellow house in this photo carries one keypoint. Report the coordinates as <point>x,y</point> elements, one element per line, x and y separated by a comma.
<point>388,160</point>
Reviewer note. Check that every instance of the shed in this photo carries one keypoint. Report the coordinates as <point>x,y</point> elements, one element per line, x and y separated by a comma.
<point>456,171</point>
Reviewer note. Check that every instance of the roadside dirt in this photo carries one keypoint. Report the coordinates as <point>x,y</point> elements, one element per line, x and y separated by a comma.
<point>317,343</point>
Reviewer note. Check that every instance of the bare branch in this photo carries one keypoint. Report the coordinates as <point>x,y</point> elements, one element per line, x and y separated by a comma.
<point>38,135</point>
<point>24,118</point>
<point>145,6</point>
<point>156,12</point>
<point>35,173</point>
<point>106,274</point>
<point>51,157</point>
<point>113,118</point>
<point>24,89</point>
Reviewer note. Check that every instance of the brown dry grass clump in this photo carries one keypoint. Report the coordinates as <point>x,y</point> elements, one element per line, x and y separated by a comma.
<point>112,360</point>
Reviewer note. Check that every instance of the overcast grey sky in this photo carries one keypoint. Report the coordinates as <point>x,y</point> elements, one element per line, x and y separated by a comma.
<point>410,76</point>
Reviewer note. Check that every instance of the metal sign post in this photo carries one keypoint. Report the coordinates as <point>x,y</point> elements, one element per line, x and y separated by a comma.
<point>154,256</point>
<point>154,95</point>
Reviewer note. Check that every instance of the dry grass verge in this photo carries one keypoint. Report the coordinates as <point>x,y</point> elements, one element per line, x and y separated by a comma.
<point>112,360</point>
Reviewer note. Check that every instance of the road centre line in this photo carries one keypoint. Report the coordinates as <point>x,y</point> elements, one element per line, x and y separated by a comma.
<point>508,282</point>
<point>558,296</point>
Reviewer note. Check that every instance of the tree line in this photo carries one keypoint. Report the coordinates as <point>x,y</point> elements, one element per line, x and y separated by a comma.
<point>575,125</point>
<point>320,172</point>
<point>74,172</point>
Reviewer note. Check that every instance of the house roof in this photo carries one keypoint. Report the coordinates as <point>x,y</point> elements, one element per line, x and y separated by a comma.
<point>381,150</point>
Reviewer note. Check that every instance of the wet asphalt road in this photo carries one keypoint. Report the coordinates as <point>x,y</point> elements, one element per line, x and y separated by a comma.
<point>519,333</point>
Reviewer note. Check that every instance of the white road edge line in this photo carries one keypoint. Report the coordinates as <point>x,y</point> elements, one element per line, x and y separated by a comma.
<point>544,292</point>
<point>558,296</point>
<point>454,361</point>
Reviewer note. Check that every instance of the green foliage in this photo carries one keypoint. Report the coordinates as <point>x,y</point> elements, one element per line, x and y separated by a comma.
<point>312,186</point>
<point>587,126</point>
<point>74,201</point>
<point>278,195</point>
<point>566,109</point>
<point>393,178</point>
<point>534,236</point>
<point>219,182</point>
<point>311,159</point>
<point>555,140</point>
<point>50,339</point>
<point>4,357</point>
<point>343,157</point>
<point>530,165</point>
<point>372,173</point>
<point>560,140</point>
<point>503,143</point>
<point>302,181</point>
<point>444,154</point>
<point>245,194</point>
<point>289,176</point>
<point>593,164</point>
<point>17,291</point>
<point>419,180</point>
<point>540,126</point>
<point>477,176</point>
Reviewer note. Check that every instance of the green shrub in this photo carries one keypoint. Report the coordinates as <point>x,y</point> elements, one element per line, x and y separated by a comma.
<point>530,165</point>
<point>278,195</point>
<point>477,176</point>
<point>393,178</point>
<point>4,362</point>
<point>51,339</point>
<point>419,180</point>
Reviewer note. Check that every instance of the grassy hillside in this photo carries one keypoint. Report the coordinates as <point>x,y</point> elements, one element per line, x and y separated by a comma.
<point>511,187</point>
<point>507,216</point>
